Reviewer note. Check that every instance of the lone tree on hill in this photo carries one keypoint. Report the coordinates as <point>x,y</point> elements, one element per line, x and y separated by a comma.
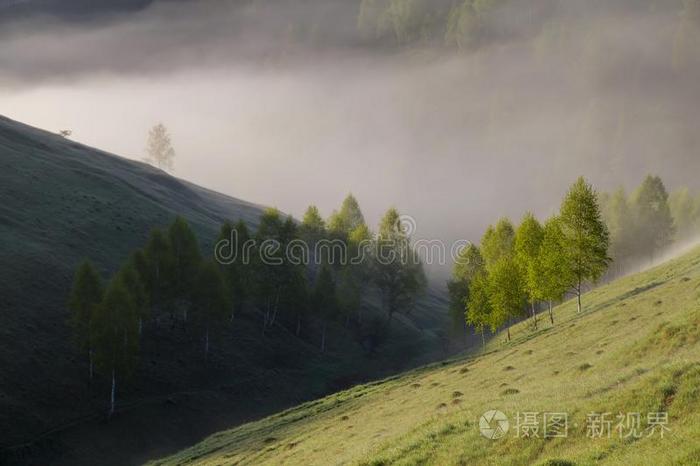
<point>159,148</point>
<point>85,296</point>
<point>585,236</point>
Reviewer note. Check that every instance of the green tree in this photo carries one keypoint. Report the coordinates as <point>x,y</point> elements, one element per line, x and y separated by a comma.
<point>115,335</point>
<point>397,270</point>
<point>237,269</point>
<point>211,300</point>
<point>359,266</point>
<point>268,265</point>
<point>312,228</point>
<point>585,236</point>
<point>156,270</point>
<point>684,210</point>
<point>551,274</point>
<point>469,263</point>
<point>85,296</point>
<point>478,304</point>
<point>623,228</point>
<point>497,241</point>
<point>528,240</point>
<point>653,214</point>
<point>184,261</point>
<point>311,231</point>
<point>506,290</point>
<point>351,273</point>
<point>325,302</point>
<point>351,215</point>
<point>130,277</point>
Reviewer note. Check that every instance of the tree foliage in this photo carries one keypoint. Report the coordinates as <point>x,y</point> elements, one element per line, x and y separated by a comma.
<point>159,148</point>
<point>654,215</point>
<point>469,263</point>
<point>585,235</point>
<point>397,269</point>
<point>115,335</point>
<point>211,300</point>
<point>85,296</point>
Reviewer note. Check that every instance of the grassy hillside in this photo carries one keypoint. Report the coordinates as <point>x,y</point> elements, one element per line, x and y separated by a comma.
<point>61,202</point>
<point>636,348</point>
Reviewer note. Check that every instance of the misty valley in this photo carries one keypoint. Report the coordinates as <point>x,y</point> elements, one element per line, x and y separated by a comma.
<point>349,232</point>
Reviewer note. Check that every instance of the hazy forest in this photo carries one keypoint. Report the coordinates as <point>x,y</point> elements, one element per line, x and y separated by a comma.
<point>358,232</point>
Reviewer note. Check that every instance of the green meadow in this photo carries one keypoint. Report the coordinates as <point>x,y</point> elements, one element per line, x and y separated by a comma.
<point>634,349</point>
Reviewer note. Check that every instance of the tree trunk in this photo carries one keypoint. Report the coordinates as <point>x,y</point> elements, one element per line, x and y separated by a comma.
<point>578,296</point>
<point>298,326</point>
<point>578,302</point>
<point>551,314</point>
<point>323,339</point>
<point>534,314</point>
<point>140,326</point>
<point>114,389</point>
<point>508,332</point>
<point>483,339</point>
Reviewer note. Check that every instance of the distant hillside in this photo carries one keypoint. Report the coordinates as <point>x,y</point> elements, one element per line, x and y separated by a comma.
<point>61,202</point>
<point>635,349</point>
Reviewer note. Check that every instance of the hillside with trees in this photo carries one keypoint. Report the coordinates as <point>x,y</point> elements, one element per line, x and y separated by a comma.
<point>595,237</point>
<point>632,349</point>
<point>118,309</point>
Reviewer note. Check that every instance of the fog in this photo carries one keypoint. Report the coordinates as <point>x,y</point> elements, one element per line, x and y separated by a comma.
<point>454,138</point>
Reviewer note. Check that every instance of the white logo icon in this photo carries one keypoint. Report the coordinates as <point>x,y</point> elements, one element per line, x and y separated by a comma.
<point>493,424</point>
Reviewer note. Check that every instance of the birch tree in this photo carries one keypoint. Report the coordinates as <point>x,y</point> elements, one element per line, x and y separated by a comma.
<point>115,336</point>
<point>159,148</point>
<point>211,302</point>
<point>85,296</point>
<point>585,236</point>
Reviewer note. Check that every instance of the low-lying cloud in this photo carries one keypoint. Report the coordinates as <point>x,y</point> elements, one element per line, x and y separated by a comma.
<point>261,108</point>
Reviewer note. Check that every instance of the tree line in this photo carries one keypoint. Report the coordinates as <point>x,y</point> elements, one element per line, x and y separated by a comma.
<point>468,24</point>
<point>595,236</point>
<point>513,270</point>
<point>169,281</point>
<point>648,220</point>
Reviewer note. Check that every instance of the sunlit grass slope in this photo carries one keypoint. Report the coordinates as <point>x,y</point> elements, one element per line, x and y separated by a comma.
<point>635,348</point>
